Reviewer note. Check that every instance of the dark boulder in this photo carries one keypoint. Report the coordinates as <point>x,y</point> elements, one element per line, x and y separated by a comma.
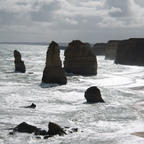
<point>53,71</point>
<point>55,129</point>
<point>19,64</point>
<point>80,59</point>
<point>130,52</point>
<point>31,106</point>
<point>93,95</point>
<point>25,128</point>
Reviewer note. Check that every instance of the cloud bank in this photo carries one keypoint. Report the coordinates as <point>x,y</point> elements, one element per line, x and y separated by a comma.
<point>64,20</point>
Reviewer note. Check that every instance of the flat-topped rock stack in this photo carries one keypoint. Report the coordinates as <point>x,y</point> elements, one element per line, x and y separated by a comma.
<point>19,64</point>
<point>79,59</point>
<point>99,48</point>
<point>111,48</point>
<point>53,71</point>
<point>130,52</point>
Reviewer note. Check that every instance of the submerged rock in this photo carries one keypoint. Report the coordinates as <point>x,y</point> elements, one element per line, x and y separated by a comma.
<point>130,52</point>
<point>93,95</point>
<point>79,59</point>
<point>53,129</point>
<point>31,106</point>
<point>53,71</point>
<point>25,128</point>
<point>19,64</point>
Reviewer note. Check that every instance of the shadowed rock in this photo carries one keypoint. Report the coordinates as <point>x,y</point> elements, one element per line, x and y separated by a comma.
<point>53,71</point>
<point>55,129</point>
<point>139,134</point>
<point>130,52</point>
<point>19,64</point>
<point>99,48</point>
<point>79,59</point>
<point>31,106</point>
<point>25,128</point>
<point>111,49</point>
<point>93,95</point>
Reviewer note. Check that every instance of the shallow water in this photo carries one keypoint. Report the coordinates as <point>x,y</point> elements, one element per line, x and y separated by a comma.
<point>110,123</point>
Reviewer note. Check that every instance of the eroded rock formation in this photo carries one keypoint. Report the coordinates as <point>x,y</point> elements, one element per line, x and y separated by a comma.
<point>19,64</point>
<point>53,129</point>
<point>111,49</point>
<point>99,48</point>
<point>79,59</point>
<point>53,71</point>
<point>130,52</point>
<point>93,95</point>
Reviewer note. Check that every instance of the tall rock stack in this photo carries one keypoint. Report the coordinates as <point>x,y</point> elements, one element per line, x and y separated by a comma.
<point>111,48</point>
<point>53,71</point>
<point>19,64</point>
<point>131,52</point>
<point>79,59</point>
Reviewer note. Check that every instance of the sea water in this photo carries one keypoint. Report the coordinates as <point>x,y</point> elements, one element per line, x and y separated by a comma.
<point>113,122</point>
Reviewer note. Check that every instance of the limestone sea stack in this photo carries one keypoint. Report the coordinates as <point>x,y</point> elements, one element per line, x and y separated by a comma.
<point>53,71</point>
<point>79,59</point>
<point>19,64</point>
<point>111,48</point>
<point>130,52</point>
<point>99,48</point>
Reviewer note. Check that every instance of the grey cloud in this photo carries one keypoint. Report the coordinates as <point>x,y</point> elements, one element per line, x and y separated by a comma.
<point>123,5</point>
<point>46,12</point>
<point>7,17</point>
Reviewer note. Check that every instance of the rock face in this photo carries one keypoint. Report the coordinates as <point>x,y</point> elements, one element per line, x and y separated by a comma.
<point>25,128</point>
<point>130,52</point>
<point>53,71</point>
<point>111,48</point>
<point>55,129</point>
<point>33,106</point>
<point>79,59</point>
<point>19,64</point>
<point>93,95</point>
<point>99,48</point>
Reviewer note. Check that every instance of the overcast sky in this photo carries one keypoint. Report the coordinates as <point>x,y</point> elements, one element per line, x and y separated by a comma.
<point>65,20</point>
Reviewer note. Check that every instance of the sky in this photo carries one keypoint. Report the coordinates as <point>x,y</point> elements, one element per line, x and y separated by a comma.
<point>65,20</point>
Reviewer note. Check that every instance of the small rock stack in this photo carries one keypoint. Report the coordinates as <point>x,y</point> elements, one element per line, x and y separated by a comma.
<point>53,71</point>
<point>19,64</point>
<point>93,95</point>
<point>79,59</point>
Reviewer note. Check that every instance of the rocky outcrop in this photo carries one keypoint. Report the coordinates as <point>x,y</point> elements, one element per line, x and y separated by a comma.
<point>25,128</point>
<point>33,106</point>
<point>130,52</point>
<point>99,48</point>
<point>53,129</point>
<point>79,59</point>
<point>53,71</point>
<point>19,64</point>
<point>139,134</point>
<point>111,48</point>
<point>93,95</point>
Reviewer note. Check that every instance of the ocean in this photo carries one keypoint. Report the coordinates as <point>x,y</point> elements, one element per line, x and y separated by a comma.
<point>113,122</point>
